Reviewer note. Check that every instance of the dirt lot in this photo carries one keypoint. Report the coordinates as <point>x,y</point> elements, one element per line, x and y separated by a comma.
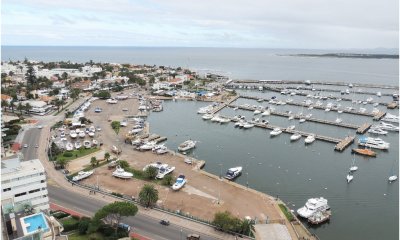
<point>200,195</point>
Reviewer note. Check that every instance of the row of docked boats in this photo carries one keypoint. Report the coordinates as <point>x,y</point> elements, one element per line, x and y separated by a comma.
<point>80,132</point>
<point>69,146</point>
<point>370,142</point>
<point>383,128</point>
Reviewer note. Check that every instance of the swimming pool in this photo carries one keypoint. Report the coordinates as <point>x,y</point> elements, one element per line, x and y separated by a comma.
<point>32,223</point>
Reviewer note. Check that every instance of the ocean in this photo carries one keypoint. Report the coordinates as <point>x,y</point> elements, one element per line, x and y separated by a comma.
<point>367,208</point>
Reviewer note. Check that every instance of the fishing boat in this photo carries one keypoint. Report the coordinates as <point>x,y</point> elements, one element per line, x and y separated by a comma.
<point>312,206</point>
<point>364,151</point>
<point>121,173</point>
<point>233,173</point>
<point>82,175</point>
<point>164,170</point>
<point>187,145</point>
<point>180,182</point>
<point>309,139</point>
<point>87,144</point>
<point>295,137</point>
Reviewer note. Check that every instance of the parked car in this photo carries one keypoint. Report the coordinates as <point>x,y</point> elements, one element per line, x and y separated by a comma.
<point>124,226</point>
<point>25,145</point>
<point>193,236</point>
<point>164,222</point>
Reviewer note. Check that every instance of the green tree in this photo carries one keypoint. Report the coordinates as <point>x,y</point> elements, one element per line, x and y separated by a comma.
<point>27,108</point>
<point>168,180</point>
<point>151,172</point>
<point>30,76</point>
<point>93,161</point>
<point>102,94</point>
<point>226,222</point>
<point>116,125</point>
<point>4,104</point>
<point>107,156</point>
<point>75,93</point>
<point>62,162</point>
<point>148,196</point>
<point>112,213</point>
<point>64,75</point>
<point>123,164</point>
<point>20,107</point>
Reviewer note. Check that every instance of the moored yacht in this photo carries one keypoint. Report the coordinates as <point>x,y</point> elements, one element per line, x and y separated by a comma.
<point>233,173</point>
<point>309,139</point>
<point>391,118</point>
<point>187,145</point>
<point>312,206</point>
<point>180,182</point>
<point>295,137</point>
<point>207,116</point>
<point>275,132</point>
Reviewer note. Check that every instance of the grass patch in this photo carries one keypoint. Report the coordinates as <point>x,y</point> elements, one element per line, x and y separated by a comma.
<point>287,213</point>
<point>77,153</point>
<point>88,168</point>
<point>77,236</point>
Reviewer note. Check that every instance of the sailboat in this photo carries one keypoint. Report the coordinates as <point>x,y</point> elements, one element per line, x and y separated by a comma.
<point>393,176</point>
<point>349,177</point>
<point>353,167</point>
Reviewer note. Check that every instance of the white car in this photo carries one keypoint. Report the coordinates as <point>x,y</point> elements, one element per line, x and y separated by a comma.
<point>39,126</point>
<point>25,145</point>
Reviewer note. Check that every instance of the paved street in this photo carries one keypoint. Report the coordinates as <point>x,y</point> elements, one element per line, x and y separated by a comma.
<point>142,224</point>
<point>31,137</point>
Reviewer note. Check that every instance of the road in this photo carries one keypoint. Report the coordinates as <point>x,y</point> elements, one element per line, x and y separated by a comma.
<point>31,137</point>
<point>142,224</point>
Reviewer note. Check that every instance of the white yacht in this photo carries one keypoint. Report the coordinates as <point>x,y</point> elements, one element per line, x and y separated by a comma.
<point>73,134</point>
<point>148,146</point>
<point>207,116</point>
<point>82,175</point>
<point>180,182</point>
<point>112,101</point>
<point>187,145</point>
<point>87,144</point>
<point>69,146</point>
<point>391,118</point>
<point>205,109</point>
<point>388,127</point>
<point>248,125</point>
<point>275,132</point>
<point>78,145</point>
<point>121,173</point>
<point>164,170</point>
<point>233,173</point>
<point>224,119</point>
<point>266,113</point>
<point>301,120</point>
<point>256,112</point>
<point>291,127</point>
<point>295,137</point>
<point>377,130</point>
<point>309,139</point>
<point>312,206</point>
<point>392,178</point>
<point>160,149</point>
<point>338,120</point>
<point>373,143</point>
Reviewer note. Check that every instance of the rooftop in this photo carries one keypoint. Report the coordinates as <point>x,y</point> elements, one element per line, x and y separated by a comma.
<point>9,166</point>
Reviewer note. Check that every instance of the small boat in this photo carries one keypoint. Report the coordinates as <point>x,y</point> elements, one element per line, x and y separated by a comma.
<point>187,161</point>
<point>207,116</point>
<point>266,113</point>
<point>81,134</point>
<point>82,175</point>
<point>393,176</point>
<point>233,173</point>
<point>180,182</point>
<point>291,117</point>
<point>362,110</point>
<point>164,170</point>
<point>292,127</point>
<point>256,112</point>
<point>95,142</point>
<point>375,104</point>
<point>327,109</point>
<point>379,94</point>
<point>78,145</point>
<point>91,134</point>
<point>224,119</point>
<point>295,137</point>
<point>73,134</point>
<point>349,177</point>
<point>160,149</point>
<point>340,111</point>
<point>319,217</point>
<point>309,139</point>
<point>364,151</point>
<point>148,146</point>
<point>310,107</point>
<point>87,144</point>
<point>236,108</point>
<point>353,167</point>
<point>112,101</point>
<point>338,120</point>
<point>69,146</point>
<point>312,206</point>
<point>116,150</point>
<point>92,129</point>
<point>275,132</point>
<point>301,120</point>
<point>187,145</point>
<point>216,118</point>
<point>98,110</point>
<point>121,173</point>
<point>248,125</point>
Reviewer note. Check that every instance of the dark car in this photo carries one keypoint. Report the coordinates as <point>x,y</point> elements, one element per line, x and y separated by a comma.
<point>164,222</point>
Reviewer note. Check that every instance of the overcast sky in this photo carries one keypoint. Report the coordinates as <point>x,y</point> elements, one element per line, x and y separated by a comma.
<point>202,23</point>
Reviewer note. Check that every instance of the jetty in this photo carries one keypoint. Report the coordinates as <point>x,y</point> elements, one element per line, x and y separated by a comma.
<point>341,144</point>
<point>360,129</point>
<point>223,105</point>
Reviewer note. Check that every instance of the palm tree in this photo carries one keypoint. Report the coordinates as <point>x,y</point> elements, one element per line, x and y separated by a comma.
<point>20,107</point>
<point>4,104</point>
<point>62,162</point>
<point>148,196</point>
<point>107,156</point>
<point>93,161</point>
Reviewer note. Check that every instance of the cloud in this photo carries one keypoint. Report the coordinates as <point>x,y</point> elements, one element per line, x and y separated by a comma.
<point>228,23</point>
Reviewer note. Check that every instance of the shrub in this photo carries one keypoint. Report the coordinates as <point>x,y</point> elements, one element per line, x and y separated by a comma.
<point>60,215</point>
<point>151,172</point>
<point>70,224</point>
<point>83,225</point>
<point>67,154</point>
<point>168,180</point>
<point>117,194</point>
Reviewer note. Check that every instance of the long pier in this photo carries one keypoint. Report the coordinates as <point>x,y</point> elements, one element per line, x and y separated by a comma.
<point>376,116</point>
<point>360,129</point>
<point>340,144</point>
<point>223,105</point>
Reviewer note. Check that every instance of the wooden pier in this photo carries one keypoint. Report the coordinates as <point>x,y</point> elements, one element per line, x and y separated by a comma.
<point>360,129</point>
<point>223,105</point>
<point>340,144</point>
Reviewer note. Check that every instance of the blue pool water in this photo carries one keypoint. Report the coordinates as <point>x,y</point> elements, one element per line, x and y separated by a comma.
<point>36,221</point>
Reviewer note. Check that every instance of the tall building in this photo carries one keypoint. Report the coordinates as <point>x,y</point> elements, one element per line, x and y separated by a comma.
<point>23,186</point>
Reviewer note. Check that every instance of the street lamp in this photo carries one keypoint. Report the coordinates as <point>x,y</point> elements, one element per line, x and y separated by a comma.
<point>181,233</point>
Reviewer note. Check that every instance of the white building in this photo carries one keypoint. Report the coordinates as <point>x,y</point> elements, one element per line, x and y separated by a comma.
<point>23,183</point>
<point>38,107</point>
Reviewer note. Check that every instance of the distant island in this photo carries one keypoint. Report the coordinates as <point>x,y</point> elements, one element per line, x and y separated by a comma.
<point>349,55</point>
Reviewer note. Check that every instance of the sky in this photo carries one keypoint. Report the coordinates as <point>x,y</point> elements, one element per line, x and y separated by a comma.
<point>304,24</point>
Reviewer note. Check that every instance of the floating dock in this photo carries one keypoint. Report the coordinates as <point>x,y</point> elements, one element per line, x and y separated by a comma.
<point>360,129</point>
<point>342,145</point>
<point>223,105</point>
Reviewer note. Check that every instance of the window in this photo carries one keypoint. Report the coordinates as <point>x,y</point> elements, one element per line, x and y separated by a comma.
<point>20,194</point>
<point>33,191</point>
<point>6,189</point>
